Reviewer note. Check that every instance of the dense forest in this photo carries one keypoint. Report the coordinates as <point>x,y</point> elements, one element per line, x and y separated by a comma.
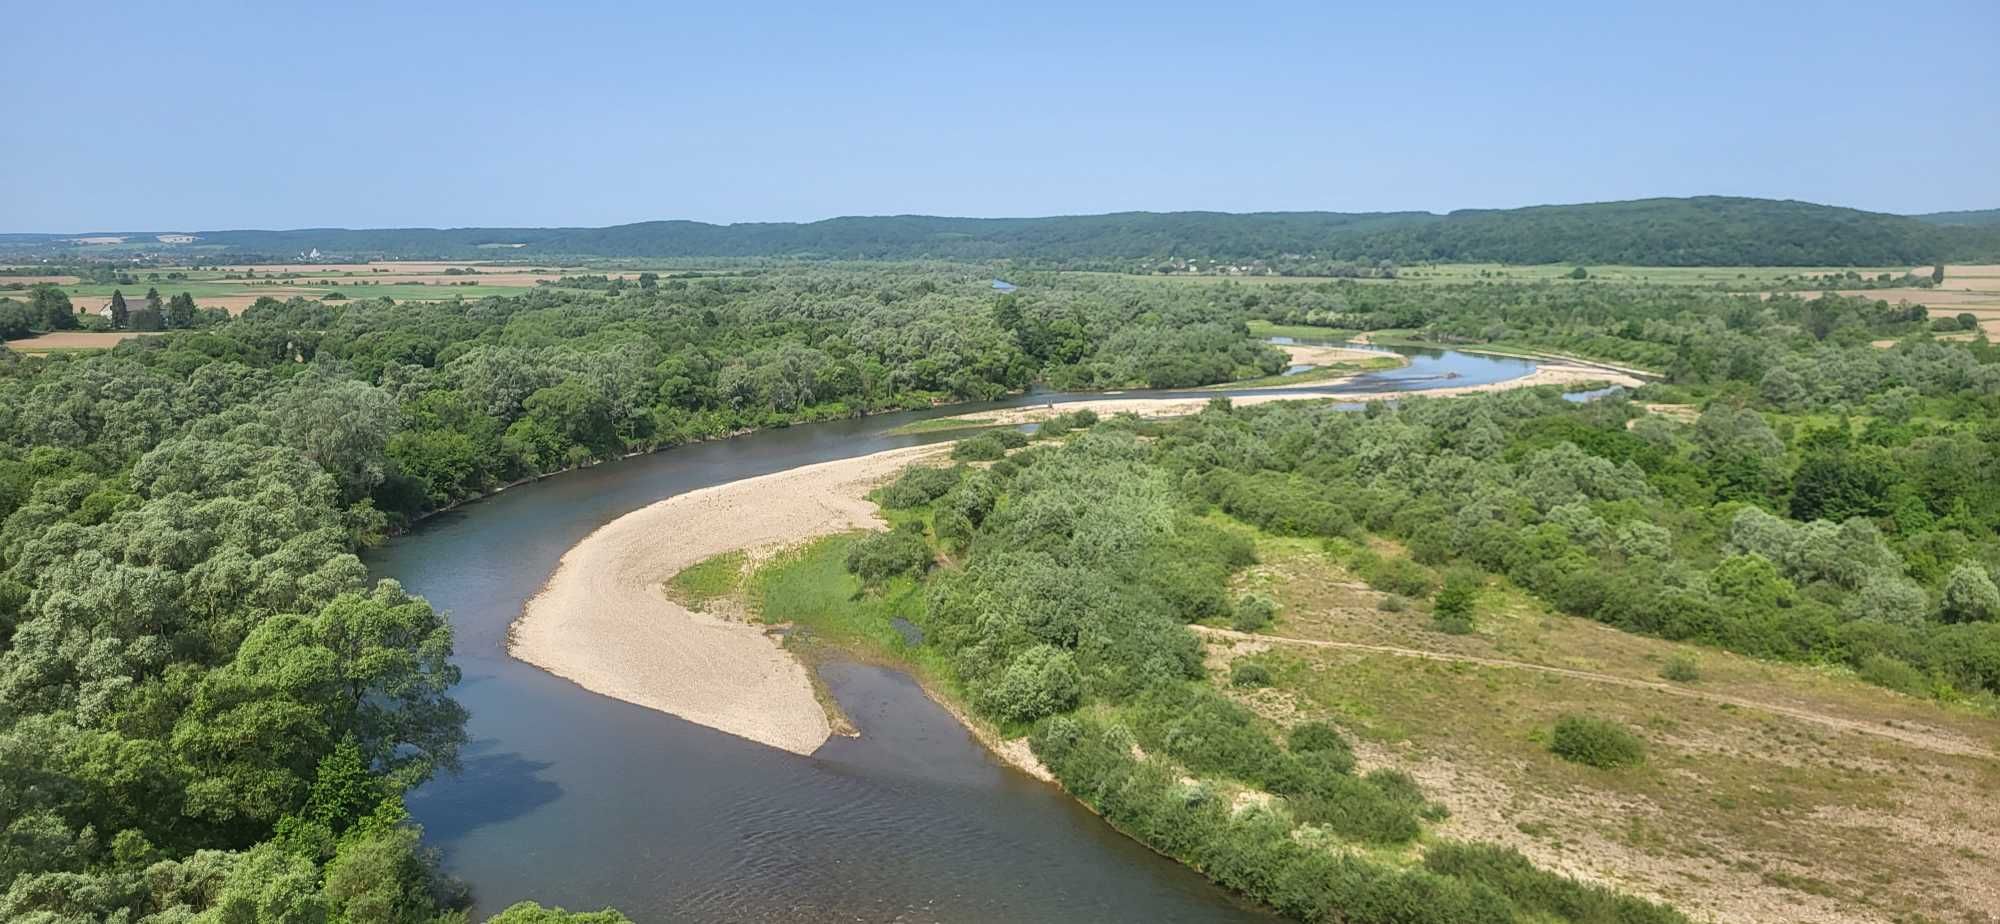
<point>1804,497</point>
<point>1712,230</point>
<point>207,712</point>
<point>1690,333</point>
<point>1978,218</point>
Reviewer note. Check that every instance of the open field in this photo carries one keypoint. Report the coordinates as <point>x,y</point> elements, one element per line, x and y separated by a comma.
<point>7,282</point>
<point>1770,792</point>
<point>66,340</point>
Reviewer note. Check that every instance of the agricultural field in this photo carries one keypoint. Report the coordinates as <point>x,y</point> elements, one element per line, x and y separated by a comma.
<point>236,288</point>
<point>65,341</point>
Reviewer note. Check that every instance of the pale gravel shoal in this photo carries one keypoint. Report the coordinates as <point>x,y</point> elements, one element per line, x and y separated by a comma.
<point>1311,355</point>
<point>1546,373</point>
<point>603,620</point>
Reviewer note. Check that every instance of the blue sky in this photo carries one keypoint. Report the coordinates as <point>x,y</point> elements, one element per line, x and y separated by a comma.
<point>200,116</point>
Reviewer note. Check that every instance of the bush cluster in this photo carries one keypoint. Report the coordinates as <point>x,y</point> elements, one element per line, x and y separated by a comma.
<point>1596,742</point>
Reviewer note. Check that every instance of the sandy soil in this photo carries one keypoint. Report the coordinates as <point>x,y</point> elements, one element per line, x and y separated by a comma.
<point>73,340</point>
<point>603,621</point>
<point>1546,373</point>
<point>1303,355</point>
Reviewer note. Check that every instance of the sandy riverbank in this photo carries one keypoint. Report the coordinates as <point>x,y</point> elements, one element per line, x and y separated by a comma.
<point>603,621</point>
<point>1308,355</point>
<point>1546,373</point>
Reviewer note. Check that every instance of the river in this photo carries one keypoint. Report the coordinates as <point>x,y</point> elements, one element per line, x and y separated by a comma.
<point>575,799</point>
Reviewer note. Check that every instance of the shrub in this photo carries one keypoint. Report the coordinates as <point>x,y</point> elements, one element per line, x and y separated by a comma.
<point>1392,604</point>
<point>878,557</point>
<point>1249,674</point>
<point>985,447</point>
<point>919,486</point>
<point>1320,738</point>
<point>1253,612</point>
<point>1681,669</point>
<point>1042,680</point>
<point>1287,505</point>
<point>1506,871</point>
<point>1894,673</point>
<point>1064,423</point>
<point>1596,742</point>
<point>954,530</point>
<point>1452,610</point>
<point>1395,575</point>
<point>1357,809</point>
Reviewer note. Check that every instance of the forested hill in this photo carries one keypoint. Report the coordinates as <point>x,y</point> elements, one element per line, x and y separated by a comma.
<point>1975,218</point>
<point>1716,231</point>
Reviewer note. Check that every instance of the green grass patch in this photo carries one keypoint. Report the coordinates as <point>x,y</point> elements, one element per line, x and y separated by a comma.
<point>1264,329</point>
<point>943,425</point>
<point>701,584</point>
<point>811,588</point>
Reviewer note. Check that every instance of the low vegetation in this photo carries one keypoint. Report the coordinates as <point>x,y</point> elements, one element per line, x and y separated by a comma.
<point>1595,742</point>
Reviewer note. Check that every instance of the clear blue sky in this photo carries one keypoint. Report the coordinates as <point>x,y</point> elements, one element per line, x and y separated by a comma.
<point>200,116</point>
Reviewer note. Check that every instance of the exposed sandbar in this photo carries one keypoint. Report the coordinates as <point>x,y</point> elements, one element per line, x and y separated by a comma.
<point>604,621</point>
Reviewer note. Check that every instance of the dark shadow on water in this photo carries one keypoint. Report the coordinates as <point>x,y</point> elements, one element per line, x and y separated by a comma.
<point>488,789</point>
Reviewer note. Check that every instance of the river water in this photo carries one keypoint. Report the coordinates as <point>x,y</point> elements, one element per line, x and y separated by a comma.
<point>576,799</point>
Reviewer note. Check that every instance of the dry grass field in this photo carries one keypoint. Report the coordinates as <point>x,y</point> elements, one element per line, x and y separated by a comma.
<point>72,340</point>
<point>1770,793</point>
<point>38,280</point>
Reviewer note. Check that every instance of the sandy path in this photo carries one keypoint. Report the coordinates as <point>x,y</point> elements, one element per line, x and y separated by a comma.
<point>1927,739</point>
<point>603,621</point>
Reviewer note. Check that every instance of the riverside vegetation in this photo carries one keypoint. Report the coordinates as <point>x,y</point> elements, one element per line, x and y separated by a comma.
<point>1802,497</point>
<point>206,713</point>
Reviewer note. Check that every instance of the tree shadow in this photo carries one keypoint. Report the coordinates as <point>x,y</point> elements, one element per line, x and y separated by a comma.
<point>488,789</point>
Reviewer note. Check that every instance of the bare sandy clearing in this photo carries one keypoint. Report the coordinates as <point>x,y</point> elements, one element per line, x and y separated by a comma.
<point>73,340</point>
<point>603,621</point>
<point>1303,354</point>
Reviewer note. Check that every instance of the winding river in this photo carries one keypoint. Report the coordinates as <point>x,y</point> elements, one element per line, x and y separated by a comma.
<point>580,800</point>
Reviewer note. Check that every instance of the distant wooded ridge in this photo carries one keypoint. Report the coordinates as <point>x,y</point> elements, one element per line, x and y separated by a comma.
<point>1699,231</point>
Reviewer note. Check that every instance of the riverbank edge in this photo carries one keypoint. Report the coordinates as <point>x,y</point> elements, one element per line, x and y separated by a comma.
<point>603,620</point>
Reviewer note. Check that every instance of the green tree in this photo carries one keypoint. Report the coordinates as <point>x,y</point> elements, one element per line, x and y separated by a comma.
<point>1452,609</point>
<point>372,670</point>
<point>51,309</point>
<point>120,315</point>
<point>180,312</point>
<point>1969,595</point>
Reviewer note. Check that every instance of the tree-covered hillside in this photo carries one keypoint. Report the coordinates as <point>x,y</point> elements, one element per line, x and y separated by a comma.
<point>1974,218</point>
<point>1716,231</point>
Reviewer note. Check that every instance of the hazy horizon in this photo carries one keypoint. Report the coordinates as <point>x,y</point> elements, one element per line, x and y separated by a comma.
<point>517,225</point>
<point>509,115</point>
